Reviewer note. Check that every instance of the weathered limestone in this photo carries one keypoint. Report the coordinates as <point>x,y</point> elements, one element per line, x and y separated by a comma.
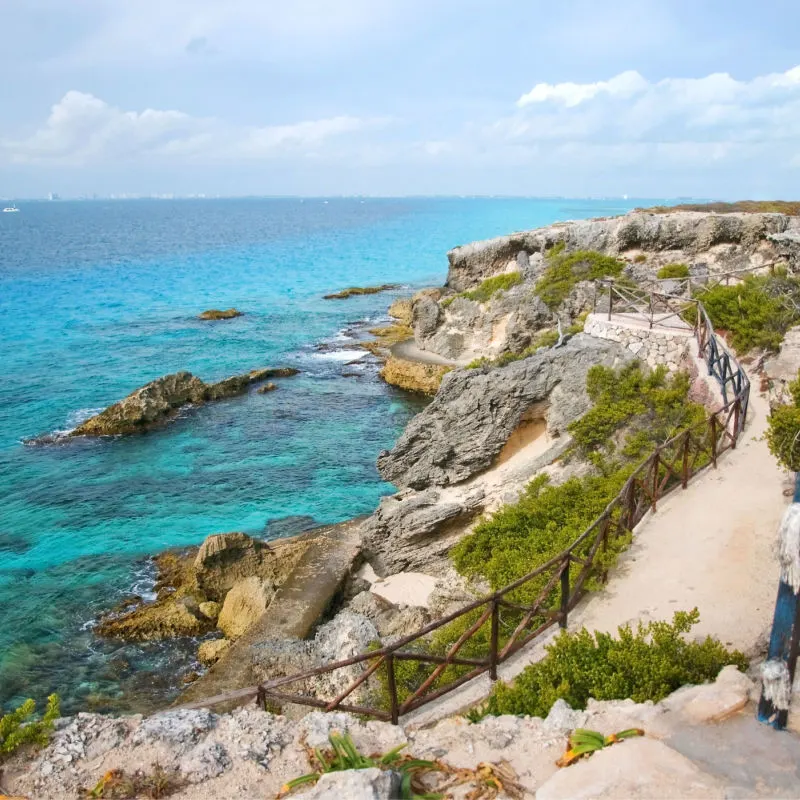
<point>413,376</point>
<point>244,604</point>
<point>475,412</point>
<point>210,652</point>
<point>158,401</point>
<point>654,346</point>
<point>723,241</point>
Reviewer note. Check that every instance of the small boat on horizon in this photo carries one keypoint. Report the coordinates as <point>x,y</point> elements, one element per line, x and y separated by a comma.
<point>10,209</point>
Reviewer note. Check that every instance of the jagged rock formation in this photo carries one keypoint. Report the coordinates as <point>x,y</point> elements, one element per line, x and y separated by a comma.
<point>158,401</point>
<point>462,329</point>
<point>193,589</point>
<point>413,376</point>
<point>475,412</point>
<point>723,241</point>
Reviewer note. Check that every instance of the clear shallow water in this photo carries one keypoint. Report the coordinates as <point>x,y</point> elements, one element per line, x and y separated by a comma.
<point>97,298</point>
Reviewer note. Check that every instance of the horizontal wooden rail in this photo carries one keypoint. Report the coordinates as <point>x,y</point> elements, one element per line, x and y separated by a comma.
<point>672,464</point>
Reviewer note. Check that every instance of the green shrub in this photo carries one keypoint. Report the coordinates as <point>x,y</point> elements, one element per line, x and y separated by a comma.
<point>493,285</point>
<point>646,664</point>
<point>783,432</point>
<point>674,271</point>
<point>19,727</point>
<point>640,259</point>
<point>756,312</point>
<point>564,270</point>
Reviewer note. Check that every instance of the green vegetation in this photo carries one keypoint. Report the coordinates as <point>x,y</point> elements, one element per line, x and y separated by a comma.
<point>676,270</point>
<point>20,727</point>
<point>646,664</point>
<point>790,207</point>
<point>633,413</point>
<point>582,742</point>
<point>488,288</point>
<point>756,312</point>
<point>783,433</point>
<point>564,270</point>
<point>543,340</point>
<point>344,755</point>
<point>640,259</point>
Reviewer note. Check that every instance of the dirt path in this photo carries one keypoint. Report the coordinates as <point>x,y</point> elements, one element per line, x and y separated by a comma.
<point>409,351</point>
<point>711,546</point>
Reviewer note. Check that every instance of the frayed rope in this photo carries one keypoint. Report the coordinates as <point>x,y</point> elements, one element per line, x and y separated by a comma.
<point>775,680</point>
<point>789,547</point>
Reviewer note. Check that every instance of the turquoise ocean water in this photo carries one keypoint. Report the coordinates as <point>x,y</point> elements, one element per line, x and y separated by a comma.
<point>97,298</point>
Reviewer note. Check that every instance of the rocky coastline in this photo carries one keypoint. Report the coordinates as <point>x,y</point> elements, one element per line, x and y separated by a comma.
<point>491,427</point>
<point>506,383</point>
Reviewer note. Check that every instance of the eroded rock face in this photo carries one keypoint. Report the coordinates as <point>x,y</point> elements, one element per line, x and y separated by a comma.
<point>726,240</point>
<point>413,376</point>
<point>244,604</point>
<point>158,401</point>
<point>475,412</point>
<point>226,558</point>
<point>409,530</point>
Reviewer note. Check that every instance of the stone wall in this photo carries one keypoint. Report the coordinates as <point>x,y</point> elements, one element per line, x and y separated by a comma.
<point>660,345</point>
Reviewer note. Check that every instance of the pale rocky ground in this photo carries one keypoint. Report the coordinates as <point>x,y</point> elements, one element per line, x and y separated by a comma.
<point>700,742</point>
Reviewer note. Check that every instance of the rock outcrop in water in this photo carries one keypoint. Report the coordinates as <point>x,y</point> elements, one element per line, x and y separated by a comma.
<point>215,314</point>
<point>158,401</point>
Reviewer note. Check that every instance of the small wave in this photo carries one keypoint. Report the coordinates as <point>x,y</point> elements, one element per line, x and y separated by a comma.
<point>342,355</point>
<point>75,418</point>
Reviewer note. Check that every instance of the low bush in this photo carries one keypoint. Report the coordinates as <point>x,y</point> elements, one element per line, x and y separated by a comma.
<point>646,664</point>
<point>21,727</point>
<point>673,271</point>
<point>783,432</point>
<point>640,259</point>
<point>493,285</point>
<point>756,312</point>
<point>565,269</point>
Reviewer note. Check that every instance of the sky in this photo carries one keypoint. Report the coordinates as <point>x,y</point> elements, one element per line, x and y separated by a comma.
<point>649,98</point>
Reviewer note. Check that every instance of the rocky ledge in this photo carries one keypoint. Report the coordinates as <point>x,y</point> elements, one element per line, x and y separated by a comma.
<point>354,291</point>
<point>158,401</point>
<point>215,313</point>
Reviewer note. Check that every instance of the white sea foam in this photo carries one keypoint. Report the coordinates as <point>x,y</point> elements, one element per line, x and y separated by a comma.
<point>342,355</point>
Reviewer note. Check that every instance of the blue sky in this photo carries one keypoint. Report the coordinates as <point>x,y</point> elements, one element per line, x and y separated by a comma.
<point>385,97</point>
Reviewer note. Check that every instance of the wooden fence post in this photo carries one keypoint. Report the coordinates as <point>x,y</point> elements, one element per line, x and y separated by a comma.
<point>713,424</point>
<point>562,623</point>
<point>495,639</point>
<point>654,498</point>
<point>392,686</point>
<point>736,405</point>
<point>685,468</point>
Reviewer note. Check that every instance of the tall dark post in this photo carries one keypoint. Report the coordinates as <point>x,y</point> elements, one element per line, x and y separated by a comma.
<point>779,668</point>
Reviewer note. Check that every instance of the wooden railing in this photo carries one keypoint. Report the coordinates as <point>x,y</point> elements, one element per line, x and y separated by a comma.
<point>498,625</point>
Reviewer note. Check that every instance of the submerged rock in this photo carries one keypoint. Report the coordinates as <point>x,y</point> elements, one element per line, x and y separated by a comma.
<point>353,291</point>
<point>158,401</point>
<point>215,313</point>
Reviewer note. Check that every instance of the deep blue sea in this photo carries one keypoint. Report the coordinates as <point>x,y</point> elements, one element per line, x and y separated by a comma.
<point>97,298</point>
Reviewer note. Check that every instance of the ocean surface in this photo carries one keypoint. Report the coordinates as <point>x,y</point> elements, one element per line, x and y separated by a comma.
<point>99,297</point>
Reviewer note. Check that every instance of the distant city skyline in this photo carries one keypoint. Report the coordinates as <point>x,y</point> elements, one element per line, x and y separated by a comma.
<point>401,98</point>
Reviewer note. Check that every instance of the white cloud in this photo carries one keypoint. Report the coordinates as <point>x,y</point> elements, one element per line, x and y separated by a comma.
<point>83,129</point>
<point>626,84</point>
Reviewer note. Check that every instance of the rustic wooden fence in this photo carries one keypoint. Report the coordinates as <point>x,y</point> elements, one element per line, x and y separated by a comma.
<point>398,678</point>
